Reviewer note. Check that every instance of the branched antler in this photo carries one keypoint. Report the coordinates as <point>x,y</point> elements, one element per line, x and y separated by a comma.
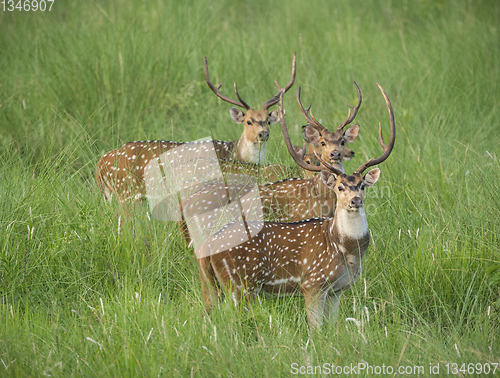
<point>355,109</point>
<point>216,90</point>
<point>387,148</point>
<point>274,100</point>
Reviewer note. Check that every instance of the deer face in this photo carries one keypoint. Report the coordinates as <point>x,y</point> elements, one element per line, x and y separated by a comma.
<point>331,145</point>
<point>348,154</point>
<point>309,158</point>
<point>350,190</point>
<point>255,122</point>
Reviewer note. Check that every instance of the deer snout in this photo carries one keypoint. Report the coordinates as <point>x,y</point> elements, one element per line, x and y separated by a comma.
<point>356,202</point>
<point>264,135</point>
<point>335,155</point>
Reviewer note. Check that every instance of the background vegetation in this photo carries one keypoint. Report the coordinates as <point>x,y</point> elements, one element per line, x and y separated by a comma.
<point>78,297</point>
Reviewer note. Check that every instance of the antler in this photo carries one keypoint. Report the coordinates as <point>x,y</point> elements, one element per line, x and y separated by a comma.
<point>240,103</point>
<point>310,119</point>
<point>301,163</point>
<point>350,118</point>
<point>274,100</point>
<point>387,148</point>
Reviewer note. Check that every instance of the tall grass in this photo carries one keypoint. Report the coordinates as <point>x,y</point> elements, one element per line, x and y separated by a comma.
<point>84,291</point>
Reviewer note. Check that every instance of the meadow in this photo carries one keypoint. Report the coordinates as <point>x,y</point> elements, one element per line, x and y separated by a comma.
<point>84,292</point>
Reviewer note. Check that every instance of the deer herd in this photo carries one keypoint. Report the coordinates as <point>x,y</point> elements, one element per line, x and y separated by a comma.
<point>312,234</point>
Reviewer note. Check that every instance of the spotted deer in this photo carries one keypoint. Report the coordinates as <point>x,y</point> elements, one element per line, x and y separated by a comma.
<point>319,258</point>
<point>121,171</point>
<point>331,145</point>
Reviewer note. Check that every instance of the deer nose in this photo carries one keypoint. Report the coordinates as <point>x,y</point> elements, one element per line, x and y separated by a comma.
<point>335,155</point>
<point>264,135</point>
<point>356,202</point>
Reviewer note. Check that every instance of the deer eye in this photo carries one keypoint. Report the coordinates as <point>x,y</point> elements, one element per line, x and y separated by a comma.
<point>342,143</point>
<point>323,143</point>
<point>249,123</point>
<point>308,161</point>
<point>341,188</point>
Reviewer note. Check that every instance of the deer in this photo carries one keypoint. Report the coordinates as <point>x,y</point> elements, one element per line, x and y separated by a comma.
<point>331,145</point>
<point>318,258</point>
<point>121,171</point>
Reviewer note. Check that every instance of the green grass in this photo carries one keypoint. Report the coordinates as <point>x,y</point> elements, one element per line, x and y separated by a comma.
<point>78,297</point>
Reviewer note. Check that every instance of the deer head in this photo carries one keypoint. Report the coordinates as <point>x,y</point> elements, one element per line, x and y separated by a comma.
<point>309,157</point>
<point>255,122</point>
<point>330,145</point>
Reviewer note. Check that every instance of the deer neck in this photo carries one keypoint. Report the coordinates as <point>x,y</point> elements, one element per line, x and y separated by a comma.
<point>349,226</point>
<point>324,198</point>
<point>320,189</point>
<point>339,164</point>
<point>250,152</point>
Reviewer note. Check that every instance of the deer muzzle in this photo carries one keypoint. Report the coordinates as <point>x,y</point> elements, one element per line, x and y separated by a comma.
<point>356,203</point>
<point>335,155</point>
<point>263,136</point>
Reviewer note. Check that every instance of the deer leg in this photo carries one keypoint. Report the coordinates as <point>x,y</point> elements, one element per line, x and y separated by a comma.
<point>209,284</point>
<point>184,231</point>
<point>233,285</point>
<point>331,310</point>
<point>315,306</point>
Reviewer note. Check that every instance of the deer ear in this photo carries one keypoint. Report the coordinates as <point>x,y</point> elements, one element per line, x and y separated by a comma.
<point>274,116</point>
<point>372,177</point>
<point>310,134</point>
<point>328,178</point>
<point>237,115</point>
<point>351,134</point>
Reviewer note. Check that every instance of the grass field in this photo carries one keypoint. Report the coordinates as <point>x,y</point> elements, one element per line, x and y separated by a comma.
<point>84,293</point>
